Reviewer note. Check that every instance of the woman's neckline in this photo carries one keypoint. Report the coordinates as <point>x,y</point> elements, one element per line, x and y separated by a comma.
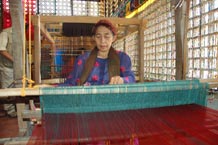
<point>100,58</point>
<point>102,55</point>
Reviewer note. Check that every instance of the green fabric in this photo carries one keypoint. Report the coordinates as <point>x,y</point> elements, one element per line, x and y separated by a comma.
<point>79,99</point>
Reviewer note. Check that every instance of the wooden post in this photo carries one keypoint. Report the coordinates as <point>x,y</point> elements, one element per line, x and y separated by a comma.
<point>141,50</point>
<point>181,24</point>
<point>21,124</point>
<point>37,50</point>
<point>16,11</point>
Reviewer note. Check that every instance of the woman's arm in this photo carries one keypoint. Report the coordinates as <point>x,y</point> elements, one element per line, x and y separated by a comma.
<point>125,68</point>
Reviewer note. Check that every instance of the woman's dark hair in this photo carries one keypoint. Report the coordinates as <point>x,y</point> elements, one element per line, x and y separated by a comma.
<point>105,23</point>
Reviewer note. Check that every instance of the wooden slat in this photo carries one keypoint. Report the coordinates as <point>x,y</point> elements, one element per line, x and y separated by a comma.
<point>88,19</point>
<point>53,81</point>
<point>17,92</point>
<point>213,83</point>
<point>29,114</point>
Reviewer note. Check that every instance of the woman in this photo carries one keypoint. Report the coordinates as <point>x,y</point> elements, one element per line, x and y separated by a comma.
<point>103,65</point>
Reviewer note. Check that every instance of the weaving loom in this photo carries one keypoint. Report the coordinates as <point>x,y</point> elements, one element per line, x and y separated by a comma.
<point>145,113</point>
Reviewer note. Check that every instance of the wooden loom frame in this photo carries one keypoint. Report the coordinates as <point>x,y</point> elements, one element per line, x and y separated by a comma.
<point>38,22</point>
<point>39,30</point>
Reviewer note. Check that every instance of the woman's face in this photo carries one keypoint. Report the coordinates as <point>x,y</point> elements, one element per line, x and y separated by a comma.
<point>103,38</point>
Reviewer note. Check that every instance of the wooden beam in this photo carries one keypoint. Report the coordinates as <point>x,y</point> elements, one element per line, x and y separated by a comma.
<point>213,83</point>
<point>88,19</point>
<point>18,92</point>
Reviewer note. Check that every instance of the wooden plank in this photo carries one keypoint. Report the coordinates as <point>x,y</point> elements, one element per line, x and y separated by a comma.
<point>88,19</point>
<point>209,80</point>
<point>17,92</point>
<point>53,81</point>
<point>30,114</point>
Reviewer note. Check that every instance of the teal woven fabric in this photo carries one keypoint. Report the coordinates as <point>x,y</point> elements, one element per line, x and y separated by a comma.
<point>79,99</point>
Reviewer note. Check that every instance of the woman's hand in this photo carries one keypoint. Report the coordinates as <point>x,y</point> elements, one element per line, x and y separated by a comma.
<point>116,80</point>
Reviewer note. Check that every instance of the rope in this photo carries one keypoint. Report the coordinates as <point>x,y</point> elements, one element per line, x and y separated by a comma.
<point>23,60</point>
<point>24,79</point>
<point>30,52</point>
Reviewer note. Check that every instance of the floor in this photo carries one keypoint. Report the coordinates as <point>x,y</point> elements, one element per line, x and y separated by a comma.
<point>9,127</point>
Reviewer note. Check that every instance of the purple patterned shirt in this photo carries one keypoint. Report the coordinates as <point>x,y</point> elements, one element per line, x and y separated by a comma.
<point>99,74</point>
